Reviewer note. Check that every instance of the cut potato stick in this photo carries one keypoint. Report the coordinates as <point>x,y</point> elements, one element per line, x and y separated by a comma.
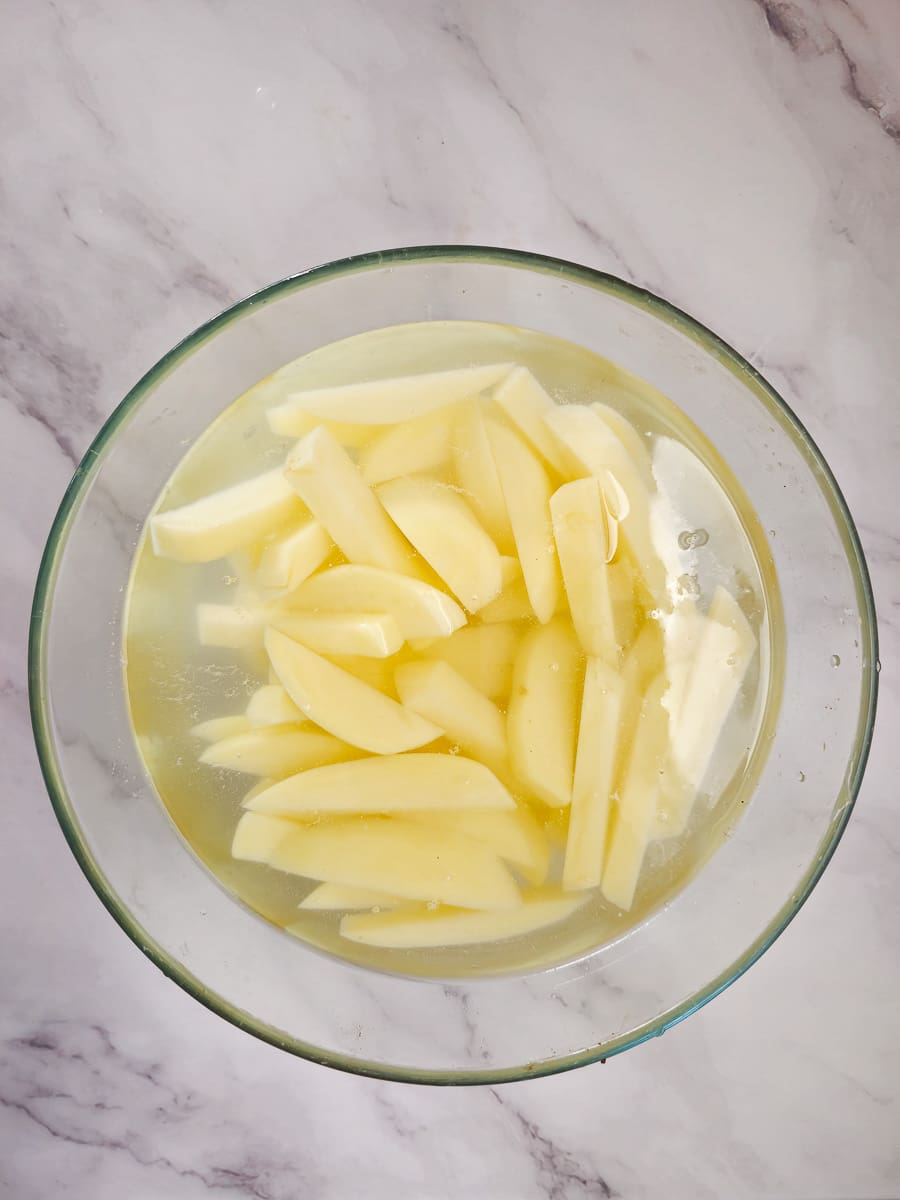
<point>386,784</point>
<point>420,610</point>
<point>639,796</point>
<point>526,403</point>
<point>476,475</point>
<point>482,654</point>
<point>285,563</point>
<point>339,897</point>
<point>276,751</point>
<point>385,401</point>
<point>595,760</point>
<point>340,703</point>
<point>229,626</point>
<point>440,694</point>
<point>417,929</point>
<point>420,445</point>
<point>257,836</point>
<point>405,858</point>
<point>445,531</point>
<point>527,490</point>
<point>217,524</point>
<point>289,423</point>
<point>271,705</point>
<point>320,470</point>
<point>366,635</point>
<point>580,530</point>
<point>219,728</point>
<point>515,836</point>
<point>628,436</point>
<point>543,711</point>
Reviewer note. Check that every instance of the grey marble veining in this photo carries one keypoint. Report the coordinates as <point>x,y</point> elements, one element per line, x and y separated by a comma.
<point>742,158</point>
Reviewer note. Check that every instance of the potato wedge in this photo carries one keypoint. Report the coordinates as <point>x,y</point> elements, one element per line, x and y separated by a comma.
<point>419,445</point>
<point>320,470</point>
<point>387,401</point>
<point>580,530</point>
<point>526,403</point>
<point>343,705</point>
<point>543,712</point>
<point>420,610</point>
<point>330,897</point>
<point>420,928</point>
<point>224,521</point>
<point>219,728</point>
<point>257,836</point>
<point>527,490</point>
<point>636,446</point>
<point>276,751</point>
<point>405,858</point>
<point>515,836</point>
<point>476,475</point>
<point>271,705</point>
<point>285,563</point>
<point>595,760</point>
<point>364,634</point>
<point>387,784</point>
<point>230,627</point>
<point>482,654</point>
<point>435,691</point>
<point>445,531</point>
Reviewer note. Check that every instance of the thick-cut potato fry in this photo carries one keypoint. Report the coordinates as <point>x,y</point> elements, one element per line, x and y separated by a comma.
<point>445,531</point>
<point>285,563</point>
<point>276,751</point>
<point>320,470</point>
<point>387,784</point>
<point>219,728</point>
<point>257,836</point>
<point>340,703</point>
<point>482,654</point>
<point>420,610</point>
<point>527,490</point>
<point>330,897</point>
<point>543,711</point>
<point>526,403</point>
<point>405,858</point>
<point>440,694</point>
<point>271,705</point>
<point>515,836</point>
<point>420,928</point>
<point>216,525</point>
<point>580,530</point>
<point>476,475</point>
<point>385,401</point>
<point>420,445</point>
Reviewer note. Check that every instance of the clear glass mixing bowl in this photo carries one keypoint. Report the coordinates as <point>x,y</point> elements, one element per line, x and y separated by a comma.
<point>493,1029</point>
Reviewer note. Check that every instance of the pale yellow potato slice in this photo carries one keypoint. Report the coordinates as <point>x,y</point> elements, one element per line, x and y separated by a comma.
<point>386,401</point>
<point>420,610</point>
<point>476,475</point>
<point>445,531</point>
<point>276,751</point>
<point>219,728</point>
<point>482,654</point>
<point>329,897</point>
<point>320,470</point>
<point>595,761</point>
<point>285,563</point>
<point>435,691</point>
<point>526,403</point>
<point>387,784</point>
<point>642,663</point>
<point>287,422</point>
<point>416,446</point>
<point>405,858</point>
<point>527,490</point>
<point>543,712</point>
<point>342,704</point>
<point>512,604</point>
<point>217,524</point>
<point>257,836</point>
<point>628,436</point>
<point>639,792</point>
<point>230,627</point>
<point>366,635</point>
<point>378,673</point>
<point>580,530</point>
<point>271,705</point>
<point>515,836</point>
<point>420,928</point>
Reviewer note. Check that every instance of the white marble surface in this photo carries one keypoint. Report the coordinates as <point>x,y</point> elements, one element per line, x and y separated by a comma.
<point>161,160</point>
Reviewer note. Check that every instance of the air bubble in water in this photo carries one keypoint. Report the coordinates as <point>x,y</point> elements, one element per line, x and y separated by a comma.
<point>801,778</point>
<point>554,666</point>
<point>431,905</point>
<point>454,750</point>
<point>692,539</point>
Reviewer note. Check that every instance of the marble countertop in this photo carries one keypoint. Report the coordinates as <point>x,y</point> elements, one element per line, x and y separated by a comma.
<point>742,159</point>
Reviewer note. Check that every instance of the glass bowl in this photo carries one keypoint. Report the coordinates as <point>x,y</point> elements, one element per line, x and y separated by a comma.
<point>480,1030</point>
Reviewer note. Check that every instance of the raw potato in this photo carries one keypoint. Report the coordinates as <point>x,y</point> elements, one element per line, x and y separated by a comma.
<point>515,836</point>
<point>288,422</point>
<point>366,634</point>
<point>422,444</point>
<point>285,563</point>
<point>527,490</point>
<point>512,604</point>
<point>404,858</point>
<point>420,610</point>
<point>276,750</point>
<point>629,437</point>
<point>230,627</point>
<point>445,531</point>
<point>257,836</point>
<point>271,705</point>
<point>408,930</point>
<point>321,471</point>
<point>224,521</point>
<point>337,896</point>
<point>476,475</point>
<point>342,704</point>
<point>526,404</point>
<point>640,791</point>
<point>595,760</point>
<point>386,784</point>
<point>386,401</point>
<point>440,694</point>
<point>580,530</point>
<point>482,654</point>
<point>219,728</point>
<point>543,712</point>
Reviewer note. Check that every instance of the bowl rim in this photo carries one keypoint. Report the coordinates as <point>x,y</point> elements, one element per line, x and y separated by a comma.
<point>399,256</point>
